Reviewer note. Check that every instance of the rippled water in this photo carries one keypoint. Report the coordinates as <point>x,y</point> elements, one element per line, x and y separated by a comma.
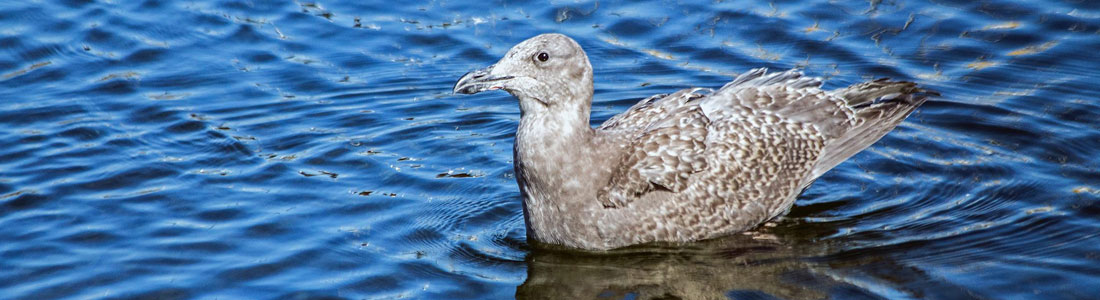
<point>249,149</point>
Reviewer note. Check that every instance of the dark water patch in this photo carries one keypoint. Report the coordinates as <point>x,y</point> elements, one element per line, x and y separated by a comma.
<point>11,43</point>
<point>251,272</point>
<point>116,87</point>
<point>91,237</point>
<point>23,200</point>
<point>16,156</point>
<point>630,27</point>
<point>227,214</point>
<point>267,230</point>
<point>375,282</point>
<point>43,271</point>
<point>247,33</point>
<point>145,56</point>
<point>163,293</point>
<point>42,113</point>
<point>261,57</point>
<point>171,231</point>
<point>1089,208</point>
<point>121,143</point>
<point>187,126</point>
<point>102,38</point>
<point>41,53</point>
<point>197,247</point>
<point>128,178</point>
<point>297,140</point>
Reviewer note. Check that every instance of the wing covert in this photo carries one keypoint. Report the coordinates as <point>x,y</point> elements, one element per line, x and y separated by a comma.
<point>662,158</point>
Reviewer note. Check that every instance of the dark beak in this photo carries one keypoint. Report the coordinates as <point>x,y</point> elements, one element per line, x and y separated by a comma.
<point>480,80</point>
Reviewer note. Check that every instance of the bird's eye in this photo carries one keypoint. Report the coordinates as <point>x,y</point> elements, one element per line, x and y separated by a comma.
<point>543,56</point>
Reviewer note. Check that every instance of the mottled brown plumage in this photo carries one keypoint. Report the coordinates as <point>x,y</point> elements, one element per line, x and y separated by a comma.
<point>691,165</point>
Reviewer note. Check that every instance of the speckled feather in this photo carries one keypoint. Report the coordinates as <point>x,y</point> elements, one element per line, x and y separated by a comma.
<point>691,165</point>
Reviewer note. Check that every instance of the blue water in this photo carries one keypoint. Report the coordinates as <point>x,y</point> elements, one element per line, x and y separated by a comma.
<point>251,150</point>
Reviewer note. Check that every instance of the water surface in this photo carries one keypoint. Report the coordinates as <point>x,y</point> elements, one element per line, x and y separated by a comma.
<point>256,149</point>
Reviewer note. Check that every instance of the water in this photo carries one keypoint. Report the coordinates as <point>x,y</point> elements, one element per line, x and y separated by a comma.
<point>249,149</point>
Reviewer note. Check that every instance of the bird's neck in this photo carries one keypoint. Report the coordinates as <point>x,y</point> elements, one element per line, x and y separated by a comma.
<point>558,169</point>
<point>549,135</point>
<point>560,125</point>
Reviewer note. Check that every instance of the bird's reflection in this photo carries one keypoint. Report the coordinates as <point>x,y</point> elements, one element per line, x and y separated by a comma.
<point>751,266</point>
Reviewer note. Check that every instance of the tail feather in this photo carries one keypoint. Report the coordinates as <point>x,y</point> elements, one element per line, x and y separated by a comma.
<point>880,90</point>
<point>880,106</point>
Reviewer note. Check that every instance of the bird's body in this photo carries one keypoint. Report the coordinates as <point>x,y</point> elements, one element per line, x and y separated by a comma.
<point>691,165</point>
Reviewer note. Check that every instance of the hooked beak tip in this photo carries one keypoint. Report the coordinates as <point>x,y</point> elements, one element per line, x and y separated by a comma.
<point>478,81</point>
<point>465,89</point>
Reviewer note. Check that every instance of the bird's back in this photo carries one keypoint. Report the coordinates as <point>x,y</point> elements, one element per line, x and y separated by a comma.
<point>702,165</point>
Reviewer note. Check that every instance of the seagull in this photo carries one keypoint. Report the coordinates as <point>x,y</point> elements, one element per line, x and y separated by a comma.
<point>695,164</point>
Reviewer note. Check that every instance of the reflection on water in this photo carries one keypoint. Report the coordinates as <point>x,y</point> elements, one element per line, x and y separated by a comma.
<point>739,267</point>
<point>282,149</point>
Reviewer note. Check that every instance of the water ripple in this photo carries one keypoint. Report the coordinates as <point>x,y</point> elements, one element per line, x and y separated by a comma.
<point>243,149</point>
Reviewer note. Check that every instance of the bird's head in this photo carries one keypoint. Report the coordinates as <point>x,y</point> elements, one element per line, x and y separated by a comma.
<point>548,72</point>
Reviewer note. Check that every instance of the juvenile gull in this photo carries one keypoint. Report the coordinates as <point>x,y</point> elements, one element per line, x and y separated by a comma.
<point>686,166</point>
